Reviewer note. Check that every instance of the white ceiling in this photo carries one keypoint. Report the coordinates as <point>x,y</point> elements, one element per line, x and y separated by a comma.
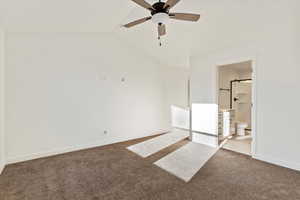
<point>222,23</point>
<point>63,15</point>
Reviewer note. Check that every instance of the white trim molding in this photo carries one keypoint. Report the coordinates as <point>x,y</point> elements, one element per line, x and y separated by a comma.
<point>54,152</point>
<point>278,162</point>
<point>2,101</point>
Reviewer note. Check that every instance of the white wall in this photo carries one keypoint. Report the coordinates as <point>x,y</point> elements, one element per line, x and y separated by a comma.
<point>176,96</point>
<point>64,89</point>
<point>276,49</point>
<point>176,83</point>
<point>180,117</point>
<point>2,120</point>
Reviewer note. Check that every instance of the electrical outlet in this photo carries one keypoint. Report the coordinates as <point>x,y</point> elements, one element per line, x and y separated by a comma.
<point>105,132</point>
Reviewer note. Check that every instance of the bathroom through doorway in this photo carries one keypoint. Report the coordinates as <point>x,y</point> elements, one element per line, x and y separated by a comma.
<point>235,101</point>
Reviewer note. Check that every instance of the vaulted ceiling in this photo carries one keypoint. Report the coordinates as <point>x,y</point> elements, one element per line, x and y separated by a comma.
<point>222,23</point>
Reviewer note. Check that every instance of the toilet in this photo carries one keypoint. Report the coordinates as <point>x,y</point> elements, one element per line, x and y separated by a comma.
<point>241,126</point>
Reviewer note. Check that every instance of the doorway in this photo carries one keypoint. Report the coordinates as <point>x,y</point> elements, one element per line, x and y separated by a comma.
<point>235,100</point>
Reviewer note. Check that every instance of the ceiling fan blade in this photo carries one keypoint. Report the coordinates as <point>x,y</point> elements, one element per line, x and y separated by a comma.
<point>144,4</point>
<point>139,21</point>
<point>171,3</point>
<point>161,30</point>
<point>185,16</point>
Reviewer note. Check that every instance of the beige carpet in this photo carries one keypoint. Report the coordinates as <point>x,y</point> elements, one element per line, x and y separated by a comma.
<point>114,173</point>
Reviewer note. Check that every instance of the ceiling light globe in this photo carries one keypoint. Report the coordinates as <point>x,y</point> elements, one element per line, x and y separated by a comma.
<point>162,18</point>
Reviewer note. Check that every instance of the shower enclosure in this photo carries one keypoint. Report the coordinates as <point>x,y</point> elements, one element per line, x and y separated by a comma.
<point>241,100</point>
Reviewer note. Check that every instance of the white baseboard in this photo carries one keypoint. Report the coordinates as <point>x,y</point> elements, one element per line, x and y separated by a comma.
<point>282,163</point>
<point>16,159</point>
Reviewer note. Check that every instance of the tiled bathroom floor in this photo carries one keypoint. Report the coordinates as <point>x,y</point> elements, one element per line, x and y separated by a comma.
<point>240,145</point>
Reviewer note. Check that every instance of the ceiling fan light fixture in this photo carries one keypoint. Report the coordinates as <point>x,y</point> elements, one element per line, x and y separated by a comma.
<point>160,18</point>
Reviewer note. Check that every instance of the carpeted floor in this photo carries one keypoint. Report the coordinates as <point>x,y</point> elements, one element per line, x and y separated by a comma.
<point>114,173</point>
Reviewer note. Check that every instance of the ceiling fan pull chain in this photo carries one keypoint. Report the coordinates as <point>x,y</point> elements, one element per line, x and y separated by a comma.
<point>159,41</point>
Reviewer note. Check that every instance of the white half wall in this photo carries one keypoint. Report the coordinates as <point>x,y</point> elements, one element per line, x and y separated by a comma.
<point>68,91</point>
<point>275,48</point>
<point>205,124</point>
<point>2,108</point>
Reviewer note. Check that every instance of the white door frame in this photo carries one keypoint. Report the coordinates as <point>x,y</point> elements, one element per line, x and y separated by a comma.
<point>239,59</point>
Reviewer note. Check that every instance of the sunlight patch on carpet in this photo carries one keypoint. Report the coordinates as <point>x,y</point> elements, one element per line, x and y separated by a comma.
<point>154,145</point>
<point>187,160</point>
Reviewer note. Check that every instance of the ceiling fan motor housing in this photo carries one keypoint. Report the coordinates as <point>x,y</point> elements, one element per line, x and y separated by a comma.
<point>160,14</point>
<point>159,7</point>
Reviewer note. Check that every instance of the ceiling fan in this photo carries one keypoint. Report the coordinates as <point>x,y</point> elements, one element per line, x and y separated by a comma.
<point>160,15</point>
